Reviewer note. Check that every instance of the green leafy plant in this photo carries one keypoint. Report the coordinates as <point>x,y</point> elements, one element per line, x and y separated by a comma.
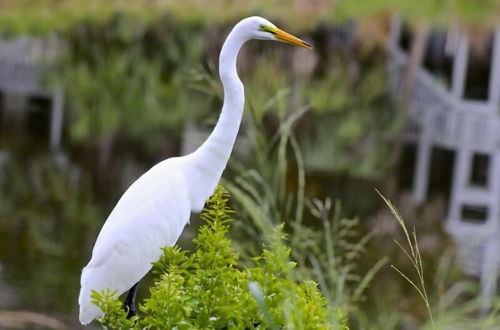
<point>209,289</point>
<point>327,246</point>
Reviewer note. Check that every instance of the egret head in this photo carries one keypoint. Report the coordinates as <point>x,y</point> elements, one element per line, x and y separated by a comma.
<point>260,28</point>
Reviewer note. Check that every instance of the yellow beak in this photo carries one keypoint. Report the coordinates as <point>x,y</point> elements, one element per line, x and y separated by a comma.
<point>288,38</point>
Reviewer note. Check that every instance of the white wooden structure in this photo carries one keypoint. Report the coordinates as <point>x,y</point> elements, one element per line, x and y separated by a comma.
<point>442,116</point>
<point>20,61</point>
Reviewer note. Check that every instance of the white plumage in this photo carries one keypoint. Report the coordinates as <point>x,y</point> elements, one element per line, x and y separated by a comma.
<point>153,211</point>
<point>151,214</point>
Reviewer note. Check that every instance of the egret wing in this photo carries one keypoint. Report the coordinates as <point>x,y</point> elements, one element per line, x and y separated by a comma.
<point>151,214</point>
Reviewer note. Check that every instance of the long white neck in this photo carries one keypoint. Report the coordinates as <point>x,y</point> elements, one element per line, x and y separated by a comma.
<point>209,161</point>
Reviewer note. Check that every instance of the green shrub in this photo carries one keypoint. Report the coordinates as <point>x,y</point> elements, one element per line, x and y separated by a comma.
<point>208,289</point>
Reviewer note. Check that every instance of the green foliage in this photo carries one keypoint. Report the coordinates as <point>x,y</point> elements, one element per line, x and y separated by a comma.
<point>326,245</point>
<point>104,98</point>
<point>208,288</point>
<point>334,254</point>
<point>115,317</point>
<point>434,12</point>
<point>123,78</point>
<point>46,16</point>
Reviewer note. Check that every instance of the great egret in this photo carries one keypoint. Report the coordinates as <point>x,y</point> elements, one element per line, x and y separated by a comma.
<point>154,210</point>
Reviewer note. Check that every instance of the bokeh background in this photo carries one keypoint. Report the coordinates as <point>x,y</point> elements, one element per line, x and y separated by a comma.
<point>94,93</point>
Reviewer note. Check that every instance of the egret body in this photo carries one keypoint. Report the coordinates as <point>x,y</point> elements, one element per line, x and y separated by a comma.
<point>154,210</point>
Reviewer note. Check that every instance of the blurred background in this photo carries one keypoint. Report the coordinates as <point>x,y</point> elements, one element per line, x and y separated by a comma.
<point>402,97</point>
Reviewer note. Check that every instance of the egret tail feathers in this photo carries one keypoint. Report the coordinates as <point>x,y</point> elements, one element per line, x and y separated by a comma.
<point>88,311</point>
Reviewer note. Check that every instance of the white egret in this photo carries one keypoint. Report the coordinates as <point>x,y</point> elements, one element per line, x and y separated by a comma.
<point>154,210</point>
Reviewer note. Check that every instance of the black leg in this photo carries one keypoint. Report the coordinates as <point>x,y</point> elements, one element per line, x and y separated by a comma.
<point>129,304</point>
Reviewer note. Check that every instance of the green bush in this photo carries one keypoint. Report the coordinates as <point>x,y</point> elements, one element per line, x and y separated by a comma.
<point>208,289</point>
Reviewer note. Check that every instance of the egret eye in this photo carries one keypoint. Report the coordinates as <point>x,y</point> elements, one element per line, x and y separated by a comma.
<point>261,27</point>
